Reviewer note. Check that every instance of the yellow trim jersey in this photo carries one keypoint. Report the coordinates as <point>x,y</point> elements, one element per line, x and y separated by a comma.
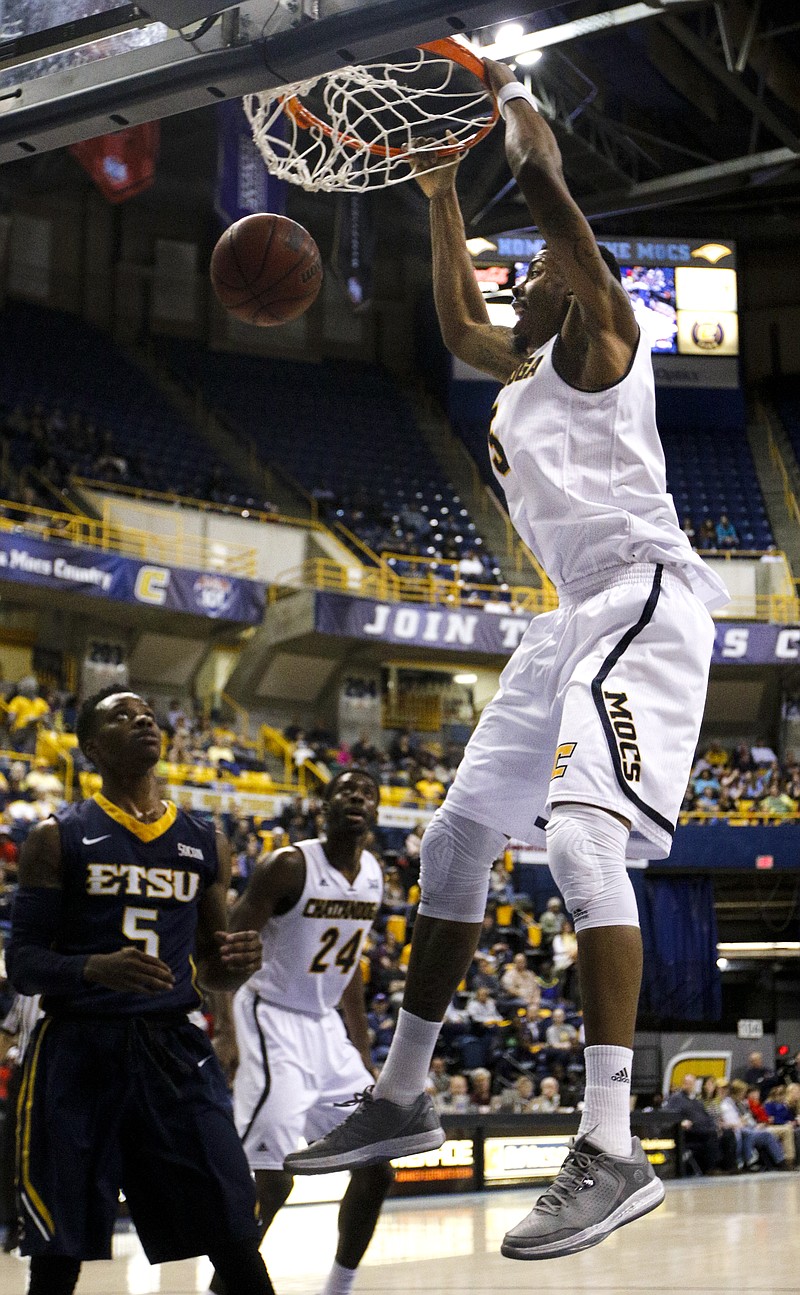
<point>312,952</point>
<point>584,476</point>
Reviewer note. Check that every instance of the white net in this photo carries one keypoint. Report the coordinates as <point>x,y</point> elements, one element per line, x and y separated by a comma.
<point>354,129</point>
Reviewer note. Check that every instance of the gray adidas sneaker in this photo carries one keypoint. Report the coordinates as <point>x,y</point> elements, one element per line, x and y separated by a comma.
<point>594,1194</point>
<point>377,1130</point>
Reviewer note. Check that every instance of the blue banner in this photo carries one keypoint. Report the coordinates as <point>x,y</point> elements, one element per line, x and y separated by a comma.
<point>99,574</point>
<point>467,629</point>
<point>244,185</point>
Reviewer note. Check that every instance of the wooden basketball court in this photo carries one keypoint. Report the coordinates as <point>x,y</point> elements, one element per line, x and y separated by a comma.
<point>715,1236</point>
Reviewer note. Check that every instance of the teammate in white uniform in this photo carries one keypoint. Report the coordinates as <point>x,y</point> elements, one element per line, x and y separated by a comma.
<point>314,904</point>
<point>589,741</point>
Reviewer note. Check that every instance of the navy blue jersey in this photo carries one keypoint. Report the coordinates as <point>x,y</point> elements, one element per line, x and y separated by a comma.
<point>127,882</point>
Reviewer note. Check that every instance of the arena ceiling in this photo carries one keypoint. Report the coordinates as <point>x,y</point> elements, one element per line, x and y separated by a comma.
<point>687,118</point>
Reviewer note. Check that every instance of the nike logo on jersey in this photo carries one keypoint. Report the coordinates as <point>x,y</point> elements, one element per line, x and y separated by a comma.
<point>200,1064</point>
<point>625,733</point>
<point>374,885</point>
<point>92,840</point>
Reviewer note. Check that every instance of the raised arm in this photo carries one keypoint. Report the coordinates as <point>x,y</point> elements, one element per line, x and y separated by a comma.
<point>535,161</point>
<point>463,317</point>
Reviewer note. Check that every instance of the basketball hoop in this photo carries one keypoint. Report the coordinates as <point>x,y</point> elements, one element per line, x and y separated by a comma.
<point>352,130</point>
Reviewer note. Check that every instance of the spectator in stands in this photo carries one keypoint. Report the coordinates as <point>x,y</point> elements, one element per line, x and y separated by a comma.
<point>438,1078</point>
<point>549,1098</point>
<point>727,537</point>
<point>411,848</point>
<point>759,1137</point>
<point>549,985</point>
<point>456,1100</point>
<point>27,709</point>
<point>470,567</point>
<point>429,787</point>
<point>561,1037</point>
<point>777,800</point>
<point>516,1098</point>
<point>382,1026</point>
<point>707,535</point>
<point>565,961</point>
<point>783,1133</point>
<point>756,1074</point>
<point>687,526</point>
<point>480,1089</point>
<point>700,1128</point>
<point>551,922</point>
<point>395,899</point>
<point>364,751</point>
<point>519,985</point>
<point>483,974</point>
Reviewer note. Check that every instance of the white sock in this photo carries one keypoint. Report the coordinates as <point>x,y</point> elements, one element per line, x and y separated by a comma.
<point>340,1280</point>
<point>405,1071</point>
<point>606,1117</point>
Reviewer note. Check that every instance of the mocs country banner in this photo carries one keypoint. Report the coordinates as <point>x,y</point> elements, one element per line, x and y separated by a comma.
<point>107,575</point>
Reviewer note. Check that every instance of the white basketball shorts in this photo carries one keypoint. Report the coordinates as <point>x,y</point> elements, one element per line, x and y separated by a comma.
<point>601,703</point>
<point>293,1068</point>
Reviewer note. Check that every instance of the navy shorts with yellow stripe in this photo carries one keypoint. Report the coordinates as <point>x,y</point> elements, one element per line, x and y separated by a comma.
<point>136,1105</point>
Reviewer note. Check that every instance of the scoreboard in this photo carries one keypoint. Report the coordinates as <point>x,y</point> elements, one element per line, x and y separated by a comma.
<point>684,293</point>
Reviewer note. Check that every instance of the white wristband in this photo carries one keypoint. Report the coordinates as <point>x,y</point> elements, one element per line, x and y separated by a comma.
<point>514,90</point>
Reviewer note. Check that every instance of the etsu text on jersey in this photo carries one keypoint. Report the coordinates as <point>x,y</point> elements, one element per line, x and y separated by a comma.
<point>131,879</point>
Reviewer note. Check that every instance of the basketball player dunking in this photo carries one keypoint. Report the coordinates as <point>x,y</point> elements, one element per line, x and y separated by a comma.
<point>119,914</point>
<point>314,903</point>
<point>589,741</point>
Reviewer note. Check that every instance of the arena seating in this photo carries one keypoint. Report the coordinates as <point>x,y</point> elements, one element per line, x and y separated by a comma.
<point>787,401</point>
<point>347,434</point>
<point>708,474</point>
<point>52,361</point>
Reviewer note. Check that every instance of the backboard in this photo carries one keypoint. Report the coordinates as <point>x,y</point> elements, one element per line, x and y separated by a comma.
<point>74,69</point>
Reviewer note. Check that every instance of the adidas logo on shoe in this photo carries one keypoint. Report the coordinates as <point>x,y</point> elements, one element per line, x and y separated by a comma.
<point>621,1077</point>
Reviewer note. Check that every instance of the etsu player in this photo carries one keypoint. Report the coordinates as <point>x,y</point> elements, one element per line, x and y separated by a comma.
<point>589,741</point>
<point>120,915</point>
<point>314,903</point>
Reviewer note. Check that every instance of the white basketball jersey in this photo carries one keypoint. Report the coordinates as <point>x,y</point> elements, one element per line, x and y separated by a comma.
<point>584,476</point>
<point>312,952</point>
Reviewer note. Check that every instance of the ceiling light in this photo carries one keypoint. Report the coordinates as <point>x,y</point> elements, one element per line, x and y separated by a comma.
<point>509,35</point>
<point>528,58</point>
<point>465,678</point>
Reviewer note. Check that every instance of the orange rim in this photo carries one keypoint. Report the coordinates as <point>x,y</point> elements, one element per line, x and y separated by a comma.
<point>445,48</point>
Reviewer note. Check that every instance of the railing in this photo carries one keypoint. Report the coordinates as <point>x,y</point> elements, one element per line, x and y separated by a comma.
<point>64,756</point>
<point>144,496</point>
<point>789,497</point>
<point>739,818</point>
<point>176,549</point>
<point>272,740</point>
<point>384,585</point>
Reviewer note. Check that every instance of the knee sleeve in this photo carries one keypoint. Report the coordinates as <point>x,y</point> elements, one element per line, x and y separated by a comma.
<point>586,854</point>
<point>455,861</point>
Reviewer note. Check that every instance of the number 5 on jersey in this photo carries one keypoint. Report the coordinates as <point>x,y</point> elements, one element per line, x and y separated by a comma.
<point>344,959</point>
<point>132,930</point>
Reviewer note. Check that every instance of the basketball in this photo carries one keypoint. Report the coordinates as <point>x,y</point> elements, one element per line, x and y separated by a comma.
<point>266,269</point>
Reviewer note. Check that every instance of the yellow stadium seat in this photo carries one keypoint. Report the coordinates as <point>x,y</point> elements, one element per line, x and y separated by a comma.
<point>366,969</point>
<point>405,954</point>
<point>534,935</point>
<point>504,914</point>
<point>396,926</point>
<point>90,783</point>
<point>414,893</point>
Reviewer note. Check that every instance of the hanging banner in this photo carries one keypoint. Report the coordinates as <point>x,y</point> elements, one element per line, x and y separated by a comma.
<point>107,575</point>
<point>354,247</point>
<point>244,185</point>
<point>465,629</point>
<point>123,164</point>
